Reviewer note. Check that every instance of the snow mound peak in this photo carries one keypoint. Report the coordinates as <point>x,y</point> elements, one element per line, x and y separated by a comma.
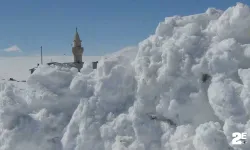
<point>184,88</point>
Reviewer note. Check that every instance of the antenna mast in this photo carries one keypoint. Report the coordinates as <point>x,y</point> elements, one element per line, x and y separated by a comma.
<point>41,55</point>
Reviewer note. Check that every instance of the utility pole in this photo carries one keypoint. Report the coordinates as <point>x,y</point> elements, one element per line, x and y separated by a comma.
<point>41,55</point>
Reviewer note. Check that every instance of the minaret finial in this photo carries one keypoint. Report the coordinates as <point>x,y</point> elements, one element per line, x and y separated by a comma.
<point>76,29</point>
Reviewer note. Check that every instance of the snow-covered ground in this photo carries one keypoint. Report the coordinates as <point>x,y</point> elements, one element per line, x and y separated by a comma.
<point>184,88</point>
<point>18,67</point>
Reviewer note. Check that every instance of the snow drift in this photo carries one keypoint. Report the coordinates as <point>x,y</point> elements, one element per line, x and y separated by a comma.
<point>150,97</point>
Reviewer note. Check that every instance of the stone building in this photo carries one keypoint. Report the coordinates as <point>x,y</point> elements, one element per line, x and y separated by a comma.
<point>77,51</point>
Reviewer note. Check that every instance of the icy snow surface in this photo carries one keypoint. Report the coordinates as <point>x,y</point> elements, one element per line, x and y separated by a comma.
<point>149,97</point>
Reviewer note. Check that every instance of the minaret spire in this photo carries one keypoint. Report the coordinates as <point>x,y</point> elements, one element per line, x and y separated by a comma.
<point>77,40</point>
<point>77,48</point>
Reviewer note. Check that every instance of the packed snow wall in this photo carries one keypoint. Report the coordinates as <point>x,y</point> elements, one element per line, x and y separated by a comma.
<point>184,88</point>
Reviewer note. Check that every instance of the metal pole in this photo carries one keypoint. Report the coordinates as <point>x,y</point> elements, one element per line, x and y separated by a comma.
<point>41,55</point>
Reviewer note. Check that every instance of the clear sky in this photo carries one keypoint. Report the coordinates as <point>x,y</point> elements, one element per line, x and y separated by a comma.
<point>105,26</point>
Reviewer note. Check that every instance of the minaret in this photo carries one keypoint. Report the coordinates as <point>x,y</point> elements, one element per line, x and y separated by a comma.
<point>77,48</point>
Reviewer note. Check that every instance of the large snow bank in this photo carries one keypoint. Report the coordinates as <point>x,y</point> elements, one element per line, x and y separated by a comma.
<point>184,88</point>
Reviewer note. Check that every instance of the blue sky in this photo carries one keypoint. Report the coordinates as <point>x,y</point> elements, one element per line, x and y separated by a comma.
<point>105,26</point>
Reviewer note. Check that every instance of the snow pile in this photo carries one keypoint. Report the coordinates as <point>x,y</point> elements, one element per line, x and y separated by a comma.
<point>36,118</point>
<point>184,88</point>
<point>112,95</point>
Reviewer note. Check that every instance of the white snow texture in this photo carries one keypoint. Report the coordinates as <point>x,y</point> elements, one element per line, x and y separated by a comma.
<point>111,108</point>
